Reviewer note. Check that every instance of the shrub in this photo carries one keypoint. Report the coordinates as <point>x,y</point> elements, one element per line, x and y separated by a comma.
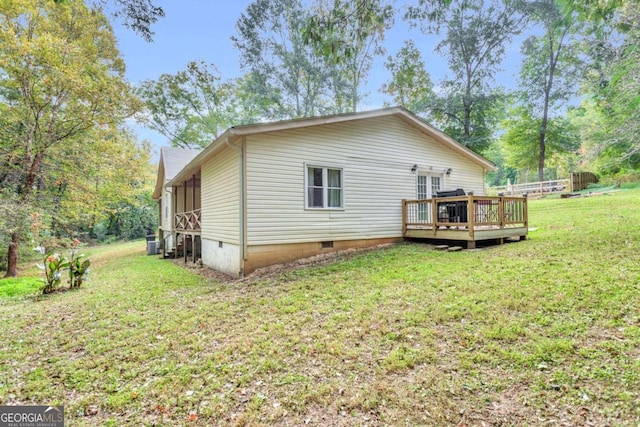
<point>54,264</point>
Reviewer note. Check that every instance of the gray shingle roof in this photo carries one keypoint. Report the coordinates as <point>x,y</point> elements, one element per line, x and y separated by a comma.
<point>175,159</point>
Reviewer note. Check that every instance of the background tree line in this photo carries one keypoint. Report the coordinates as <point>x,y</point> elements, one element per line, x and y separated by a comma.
<point>66,154</point>
<point>308,57</point>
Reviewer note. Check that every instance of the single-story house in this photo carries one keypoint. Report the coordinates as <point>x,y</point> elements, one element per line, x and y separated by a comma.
<point>273,192</point>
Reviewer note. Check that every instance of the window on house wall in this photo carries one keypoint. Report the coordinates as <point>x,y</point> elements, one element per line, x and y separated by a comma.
<point>436,184</point>
<point>428,185</point>
<point>324,188</point>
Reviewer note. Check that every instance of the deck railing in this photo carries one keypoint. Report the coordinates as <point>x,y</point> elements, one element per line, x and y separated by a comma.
<point>188,221</point>
<point>471,212</point>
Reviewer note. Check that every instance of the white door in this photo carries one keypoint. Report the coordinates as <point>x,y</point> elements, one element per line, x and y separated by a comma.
<point>427,186</point>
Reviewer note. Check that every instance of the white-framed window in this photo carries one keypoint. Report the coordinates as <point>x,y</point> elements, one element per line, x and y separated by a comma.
<point>324,187</point>
<point>436,184</point>
<point>428,185</point>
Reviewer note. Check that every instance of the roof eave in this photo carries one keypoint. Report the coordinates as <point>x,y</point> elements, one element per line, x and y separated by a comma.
<point>447,140</point>
<point>198,160</point>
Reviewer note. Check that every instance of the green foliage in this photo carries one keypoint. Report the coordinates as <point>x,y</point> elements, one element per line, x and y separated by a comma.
<point>78,267</point>
<point>410,84</point>
<point>309,58</point>
<point>475,34</point>
<point>348,35</point>
<point>287,78</point>
<point>449,113</point>
<point>139,15</point>
<point>52,265</point>
<point>551,67</point>
<point>520,142</point>
<point>616,146</point>
<point>16,287</point>
<point>191,107</point>
<point>63,84</point>
<point>503,173</point>
<point>128,220</point>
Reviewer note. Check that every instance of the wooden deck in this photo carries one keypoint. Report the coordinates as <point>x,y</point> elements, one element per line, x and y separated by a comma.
<point>466,218</point>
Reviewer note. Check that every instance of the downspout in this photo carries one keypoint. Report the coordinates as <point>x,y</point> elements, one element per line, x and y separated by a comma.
<point>242,223</point>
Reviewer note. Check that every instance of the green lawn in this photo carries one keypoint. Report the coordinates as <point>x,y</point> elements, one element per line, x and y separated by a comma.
<point>540,332</point>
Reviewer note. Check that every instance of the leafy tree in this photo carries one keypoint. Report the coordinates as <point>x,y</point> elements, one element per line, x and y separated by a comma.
<point>190,107</point>
<point>550,67</point>
<point>520,139</point>
<point>139,15</point>
<point>348,35</point>
<point>87,194</point>
<point>410,83</point>
<point>475,34</point>
<point>288,78</point>
<point>609,116</point>
<point>62,77</point>
<point>503,173</point>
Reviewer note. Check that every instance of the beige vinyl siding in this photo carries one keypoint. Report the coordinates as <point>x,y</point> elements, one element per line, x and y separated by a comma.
<point>376,157</point>
<point>221,196</point>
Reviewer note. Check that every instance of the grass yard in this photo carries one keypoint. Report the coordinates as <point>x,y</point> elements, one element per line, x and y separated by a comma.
<point>544,332</point>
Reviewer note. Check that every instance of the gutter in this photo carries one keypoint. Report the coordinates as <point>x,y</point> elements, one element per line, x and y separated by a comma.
<point>242,215</point>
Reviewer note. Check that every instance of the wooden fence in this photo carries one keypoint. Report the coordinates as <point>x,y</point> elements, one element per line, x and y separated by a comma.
<point>531,188</point>
<point>581,180</point>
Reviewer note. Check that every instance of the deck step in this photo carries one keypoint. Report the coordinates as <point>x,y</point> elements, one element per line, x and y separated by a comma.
<point>454,249</point>
<point>441,247</point>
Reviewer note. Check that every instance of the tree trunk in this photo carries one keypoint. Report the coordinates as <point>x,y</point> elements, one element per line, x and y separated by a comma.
<point>12,252</point>
<point>12,257</point>
<point>467,121</point>
<point>542,144</point>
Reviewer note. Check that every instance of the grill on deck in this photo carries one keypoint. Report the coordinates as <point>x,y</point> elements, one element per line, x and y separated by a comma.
<point>455,211</point>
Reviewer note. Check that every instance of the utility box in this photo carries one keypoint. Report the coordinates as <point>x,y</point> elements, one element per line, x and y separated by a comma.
<point>152,247</point>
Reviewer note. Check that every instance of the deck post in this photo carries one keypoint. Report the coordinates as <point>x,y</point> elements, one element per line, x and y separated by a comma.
<point>525,210</point>
<point>471,214</point>
<point>501,211</point>
<point>193,248</point>
<point>404,217</point>
<point>184,195</point>
<point>434,214</point>
<point>193,193</point>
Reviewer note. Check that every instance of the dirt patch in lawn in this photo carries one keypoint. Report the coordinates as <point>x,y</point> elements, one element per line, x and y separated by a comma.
<point>278,271</point>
